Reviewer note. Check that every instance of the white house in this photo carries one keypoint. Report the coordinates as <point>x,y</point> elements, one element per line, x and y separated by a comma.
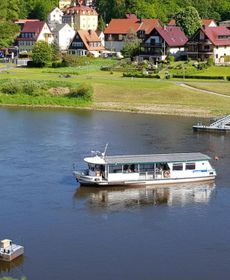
<point>31,33</point>
<point>55,17</point>
<point>81,17</point>
<point>210,42</point>
<point>63,36</point>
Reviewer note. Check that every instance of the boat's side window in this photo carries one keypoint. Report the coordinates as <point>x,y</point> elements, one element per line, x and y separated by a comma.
<point>115,168</point>
<point>190,166</point>
<point>177,166</point>
<point>146,167</point>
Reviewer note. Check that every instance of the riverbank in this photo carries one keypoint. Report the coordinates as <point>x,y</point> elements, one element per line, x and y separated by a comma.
<point>112,92</point>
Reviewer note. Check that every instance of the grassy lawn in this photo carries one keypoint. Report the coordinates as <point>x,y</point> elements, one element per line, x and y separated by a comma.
<point>216,71</point>
<point>221,87</point>
<point>113,92</point>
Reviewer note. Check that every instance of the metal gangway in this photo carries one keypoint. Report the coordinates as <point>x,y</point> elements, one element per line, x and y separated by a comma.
<point>221,123</point>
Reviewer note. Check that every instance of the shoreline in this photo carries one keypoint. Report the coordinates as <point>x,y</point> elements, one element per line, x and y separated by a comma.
<point>144,109</point>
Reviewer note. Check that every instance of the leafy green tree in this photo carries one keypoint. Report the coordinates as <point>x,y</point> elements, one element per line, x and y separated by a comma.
<point>131,44</point>
<point>189,20</point>
<point>42,53</point>
<point>8,33</point>
<point>3,10</point>
<point>13,10</point>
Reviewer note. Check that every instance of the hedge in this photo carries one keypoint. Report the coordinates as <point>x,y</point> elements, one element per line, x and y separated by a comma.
<point>199,77</point>
<point>228,78</point>
<point>140,75</point>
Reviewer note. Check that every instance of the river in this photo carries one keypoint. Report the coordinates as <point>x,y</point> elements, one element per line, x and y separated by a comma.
<point>87,233</point>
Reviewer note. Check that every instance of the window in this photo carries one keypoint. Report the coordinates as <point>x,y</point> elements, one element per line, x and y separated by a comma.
<point>115,168</point>
<point>190,166</point>
<point>177,166</point>
<point>146,167</point>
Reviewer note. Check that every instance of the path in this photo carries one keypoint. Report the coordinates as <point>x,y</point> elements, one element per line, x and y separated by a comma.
<point>202,90</point>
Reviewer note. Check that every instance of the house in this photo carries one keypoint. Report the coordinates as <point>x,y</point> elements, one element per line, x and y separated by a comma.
<point>206,22</point>
<point>210,42</point>
<point>63,4</point>
<point>81,17</point>
<point>31,33</point>
<point>164,41</point>
<point>86,42</point>
<point>225,23</point>
<point>63,36</point>
<point>55,17</point>
<point>117,29</point>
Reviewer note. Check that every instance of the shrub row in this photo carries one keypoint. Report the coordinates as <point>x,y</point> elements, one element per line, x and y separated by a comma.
<point>33,88</point>
<point>199,77</point>
<point>228,78</point>
<point>140,75</point>
<point>14,87</point>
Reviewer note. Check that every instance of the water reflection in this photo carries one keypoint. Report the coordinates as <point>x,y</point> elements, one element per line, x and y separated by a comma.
<point>6,267</point>
<point>121,197</point>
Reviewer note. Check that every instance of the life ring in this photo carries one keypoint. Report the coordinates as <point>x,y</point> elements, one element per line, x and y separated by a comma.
<point>166,174</point>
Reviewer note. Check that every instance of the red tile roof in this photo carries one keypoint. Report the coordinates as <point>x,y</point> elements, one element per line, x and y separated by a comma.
<point>80,9</point>
<point>219,35</point>
<point>173,35</point>
<point>31,27</point>
<point>124,26</point>
<point>90,37</point>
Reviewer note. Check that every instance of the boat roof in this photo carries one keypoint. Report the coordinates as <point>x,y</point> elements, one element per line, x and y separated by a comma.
<point>151,158</point>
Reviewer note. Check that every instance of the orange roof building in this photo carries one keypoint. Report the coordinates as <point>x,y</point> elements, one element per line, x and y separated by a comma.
<point>86,42</point>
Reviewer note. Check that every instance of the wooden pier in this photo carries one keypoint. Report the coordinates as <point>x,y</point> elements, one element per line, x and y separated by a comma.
<point>220,125</point>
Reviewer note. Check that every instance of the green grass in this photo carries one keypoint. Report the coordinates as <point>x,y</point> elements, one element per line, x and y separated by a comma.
<point>113,92</point>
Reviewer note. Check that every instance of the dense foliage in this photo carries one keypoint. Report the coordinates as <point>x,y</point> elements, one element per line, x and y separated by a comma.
<point>189,20</point>
<point>163,9</point>
<point>42,53</point>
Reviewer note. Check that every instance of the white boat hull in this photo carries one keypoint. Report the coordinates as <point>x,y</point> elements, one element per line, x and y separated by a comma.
<point>86,180</point>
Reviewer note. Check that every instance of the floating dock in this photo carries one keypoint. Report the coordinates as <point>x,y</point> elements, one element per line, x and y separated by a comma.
<point>221,125</point>
<point>10,251</point>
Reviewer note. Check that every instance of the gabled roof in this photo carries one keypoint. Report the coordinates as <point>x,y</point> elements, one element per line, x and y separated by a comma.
<point>88,37</point>
<point>32,27</point>
<point>173,35</point>
<point>59,27</point>
<point>219,35</point>
<point>124,26</point>
<point>23,21</point>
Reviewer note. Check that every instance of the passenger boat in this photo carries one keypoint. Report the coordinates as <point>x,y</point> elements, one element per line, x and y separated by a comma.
<point>145,169</point>
<point>10,251</point>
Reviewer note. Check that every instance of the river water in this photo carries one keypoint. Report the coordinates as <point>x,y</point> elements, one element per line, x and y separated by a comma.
<point>181,232</point>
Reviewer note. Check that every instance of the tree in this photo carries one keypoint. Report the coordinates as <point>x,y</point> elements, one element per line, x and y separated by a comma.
<point>42,53</point>
<point>8,33</point>
<point>189,20</point>
<point>131,44</point>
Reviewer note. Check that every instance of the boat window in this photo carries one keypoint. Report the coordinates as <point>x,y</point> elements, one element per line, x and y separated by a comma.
<point>130,168</point>
<point>178,166</point>
<point>146,167</point>
<point>91,167</point>
<point>115,168</point>
<point>190,166</point>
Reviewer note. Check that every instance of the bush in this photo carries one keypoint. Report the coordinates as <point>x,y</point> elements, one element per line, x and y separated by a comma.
<point>171,58</point>
<point>74,60</point>
<point>11,87</point>
<point>84,91</point>
<point>199,77</point>
<point>31,88</point>
<point>59,64</point>
<point>140,75</point>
